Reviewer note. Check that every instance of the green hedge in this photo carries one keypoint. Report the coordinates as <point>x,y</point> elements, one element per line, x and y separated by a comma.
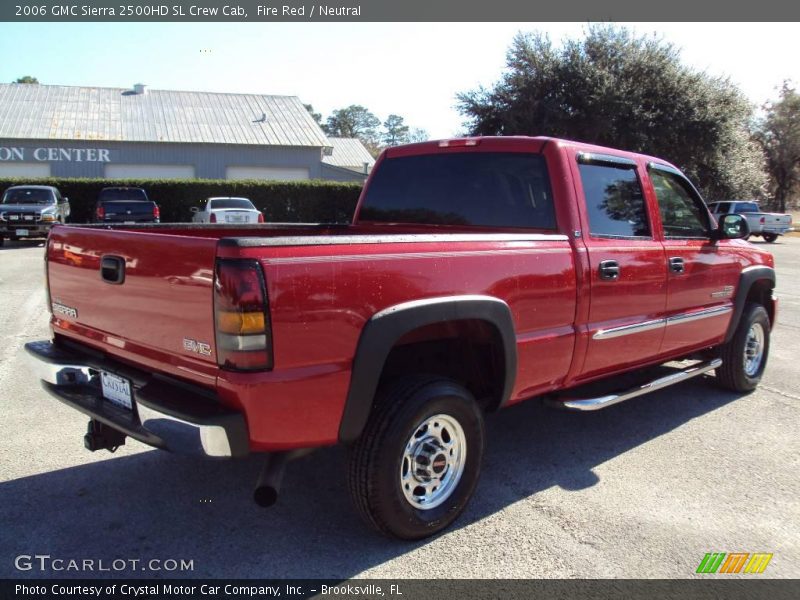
<point>313,201</point>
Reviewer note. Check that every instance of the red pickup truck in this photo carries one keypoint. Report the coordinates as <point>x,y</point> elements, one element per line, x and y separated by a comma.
<point>477,273</point>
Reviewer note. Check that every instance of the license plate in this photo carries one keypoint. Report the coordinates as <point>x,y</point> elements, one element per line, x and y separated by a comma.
<point>129,222</point>
<point>236,219</point>
<point>116,389</point>
<point>21,232</point>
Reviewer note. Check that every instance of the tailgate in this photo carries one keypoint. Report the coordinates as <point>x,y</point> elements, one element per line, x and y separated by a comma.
<point>162,312</point>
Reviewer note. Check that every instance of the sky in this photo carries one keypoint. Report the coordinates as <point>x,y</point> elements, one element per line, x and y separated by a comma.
<point>411,69</point>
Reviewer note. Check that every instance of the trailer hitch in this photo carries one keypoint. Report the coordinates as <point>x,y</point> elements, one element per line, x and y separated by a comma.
<point>100,436</point>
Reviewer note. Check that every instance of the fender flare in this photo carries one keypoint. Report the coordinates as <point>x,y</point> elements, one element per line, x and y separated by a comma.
<point>747,279</point>
<point>386,327</point>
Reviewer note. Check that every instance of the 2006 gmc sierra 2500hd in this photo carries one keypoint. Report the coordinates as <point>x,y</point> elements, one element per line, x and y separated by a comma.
<point>477,273</point>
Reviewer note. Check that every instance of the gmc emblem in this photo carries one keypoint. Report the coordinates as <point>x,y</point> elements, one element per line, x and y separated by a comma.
<point>191,345</point>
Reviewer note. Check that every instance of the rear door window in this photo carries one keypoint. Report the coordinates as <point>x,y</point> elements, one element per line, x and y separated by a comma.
<point>614,201</point>
<point>489,189</point>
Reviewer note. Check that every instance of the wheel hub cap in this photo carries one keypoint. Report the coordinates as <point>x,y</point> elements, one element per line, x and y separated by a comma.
<point>433,462</point>
<point>754,349</point>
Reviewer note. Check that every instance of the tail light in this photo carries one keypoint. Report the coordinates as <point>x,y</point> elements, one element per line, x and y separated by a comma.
<point>241,314</point>
<point>101,212</point>
<point>156,212</point>
<point>762,220</point>
<point>212,218</point>
<point>260,217</point>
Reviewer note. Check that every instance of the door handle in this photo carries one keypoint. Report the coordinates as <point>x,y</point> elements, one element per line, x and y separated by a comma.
<point>676,264</point>
<point>609,270</point>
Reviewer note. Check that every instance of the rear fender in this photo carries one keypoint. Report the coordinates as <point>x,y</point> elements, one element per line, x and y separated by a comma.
<point>386,327</point>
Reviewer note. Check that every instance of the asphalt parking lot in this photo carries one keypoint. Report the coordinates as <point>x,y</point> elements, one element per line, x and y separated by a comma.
<point>642,489</point>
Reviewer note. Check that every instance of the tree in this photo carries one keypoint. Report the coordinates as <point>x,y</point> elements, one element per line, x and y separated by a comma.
<point>315,115</point>
<point>616,89</point>
<point>27,79</point>
<point>779,136</point>
<point>418,135</point>
<point>396,131</point>
<point>355,122</point>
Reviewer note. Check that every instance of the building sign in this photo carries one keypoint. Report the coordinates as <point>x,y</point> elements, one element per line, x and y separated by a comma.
<point>10,154</point>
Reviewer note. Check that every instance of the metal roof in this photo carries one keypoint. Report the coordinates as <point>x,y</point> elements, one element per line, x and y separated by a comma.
<point>349,153</point>
<point>31,111</point>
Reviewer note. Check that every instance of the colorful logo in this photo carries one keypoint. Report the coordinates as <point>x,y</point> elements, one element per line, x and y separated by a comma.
<point>734,562</point>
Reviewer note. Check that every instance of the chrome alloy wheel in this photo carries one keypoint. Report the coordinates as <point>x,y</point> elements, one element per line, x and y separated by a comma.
<point>433,462</point>
<point>754,349</point>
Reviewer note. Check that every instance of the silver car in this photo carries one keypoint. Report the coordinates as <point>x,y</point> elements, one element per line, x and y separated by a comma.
<point>29,211</point>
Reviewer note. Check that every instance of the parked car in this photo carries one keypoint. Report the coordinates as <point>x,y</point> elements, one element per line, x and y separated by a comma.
<point>29,211</point>
<point>227,210</point>
<point>126,205</point>
<point>477,273</point>
<point>767,225</point>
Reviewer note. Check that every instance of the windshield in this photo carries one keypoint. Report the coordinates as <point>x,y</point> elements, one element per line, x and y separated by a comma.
<point>28,196</point>
<point>746,207</point>
<point>122,194</point>
<point>230,203</point>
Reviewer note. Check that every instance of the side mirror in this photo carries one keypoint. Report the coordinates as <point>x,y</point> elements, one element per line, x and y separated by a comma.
<point>732,227</point>
<point>194,209</point>
<point>64,200</point>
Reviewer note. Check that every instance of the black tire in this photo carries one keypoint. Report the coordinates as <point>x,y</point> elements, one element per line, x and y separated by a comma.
<point>770,237</point>
<point>733,375</point>
<point>377,459</point>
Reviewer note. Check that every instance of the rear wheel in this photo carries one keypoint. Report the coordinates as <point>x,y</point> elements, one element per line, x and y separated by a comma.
<point>744,357</point>
<point>770,237</point>
<point>416,465</point>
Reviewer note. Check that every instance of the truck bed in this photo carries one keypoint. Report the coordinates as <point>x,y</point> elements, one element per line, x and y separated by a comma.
<point>323,284</point>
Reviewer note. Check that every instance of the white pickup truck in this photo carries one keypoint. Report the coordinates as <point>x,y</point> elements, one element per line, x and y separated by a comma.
<point>767,225</point>
<point>227,210</point>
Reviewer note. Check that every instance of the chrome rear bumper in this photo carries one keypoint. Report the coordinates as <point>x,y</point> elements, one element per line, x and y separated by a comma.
<point>167,414</point>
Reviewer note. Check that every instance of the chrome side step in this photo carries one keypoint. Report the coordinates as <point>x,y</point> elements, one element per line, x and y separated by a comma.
<point>584,404</point>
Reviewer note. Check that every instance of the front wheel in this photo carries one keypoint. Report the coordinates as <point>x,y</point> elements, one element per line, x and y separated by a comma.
<point>744,357</point>
<point>416,465</point>
<point>770,237</point>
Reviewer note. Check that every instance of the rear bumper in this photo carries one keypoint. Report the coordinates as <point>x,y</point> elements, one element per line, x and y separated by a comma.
<point>167,413</point>
<point>778,230</point>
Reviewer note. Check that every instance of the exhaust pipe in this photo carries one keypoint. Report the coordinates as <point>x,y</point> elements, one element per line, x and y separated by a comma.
<point>269,480</point>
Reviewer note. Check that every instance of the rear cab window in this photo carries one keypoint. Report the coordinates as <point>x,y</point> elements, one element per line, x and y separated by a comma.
<point>746,207</point>
<point>483,189</point>
<point>111,194</point>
